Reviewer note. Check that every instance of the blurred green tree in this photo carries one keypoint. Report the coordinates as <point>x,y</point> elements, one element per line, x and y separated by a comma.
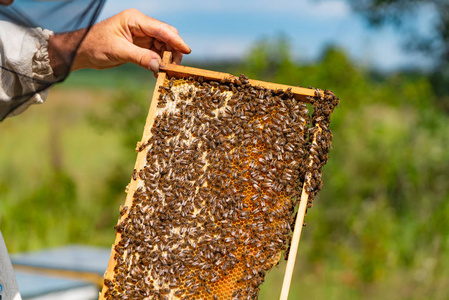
<point>126,117</point>
<point>402,14</point>
<point>434,43</point>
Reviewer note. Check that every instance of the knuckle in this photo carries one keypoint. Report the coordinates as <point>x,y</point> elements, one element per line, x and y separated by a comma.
<point>140,58</point>
<point>130,12</point>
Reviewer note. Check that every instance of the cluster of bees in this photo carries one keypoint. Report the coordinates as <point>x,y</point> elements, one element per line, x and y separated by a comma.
<point>214,204</point>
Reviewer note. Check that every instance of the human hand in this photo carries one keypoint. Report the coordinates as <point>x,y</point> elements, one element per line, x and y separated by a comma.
<point>129,36</point>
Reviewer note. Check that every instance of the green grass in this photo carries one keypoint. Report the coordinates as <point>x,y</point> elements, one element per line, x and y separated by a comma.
<point>52,156</point>
<point>127,75</point>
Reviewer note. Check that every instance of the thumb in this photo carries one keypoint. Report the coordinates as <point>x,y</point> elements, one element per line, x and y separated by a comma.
<point>145,58</point>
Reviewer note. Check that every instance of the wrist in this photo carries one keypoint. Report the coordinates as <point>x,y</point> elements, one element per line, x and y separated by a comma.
<point>62,50</point>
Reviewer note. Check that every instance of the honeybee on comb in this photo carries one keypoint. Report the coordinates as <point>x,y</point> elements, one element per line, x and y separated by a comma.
<point>222,172</point>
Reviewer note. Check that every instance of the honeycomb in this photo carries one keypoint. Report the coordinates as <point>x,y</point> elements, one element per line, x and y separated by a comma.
<point>214,204</point>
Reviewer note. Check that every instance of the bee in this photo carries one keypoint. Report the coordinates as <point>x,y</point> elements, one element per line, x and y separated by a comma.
<point>319,119</point>
<point>119,228</point>
<point>164,88</point>
<point>123,210</point>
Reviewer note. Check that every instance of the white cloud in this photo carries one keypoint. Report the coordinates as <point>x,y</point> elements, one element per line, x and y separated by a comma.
<point>213,48</point>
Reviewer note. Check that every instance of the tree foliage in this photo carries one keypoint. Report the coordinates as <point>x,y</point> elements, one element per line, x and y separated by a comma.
<point>403,13</point>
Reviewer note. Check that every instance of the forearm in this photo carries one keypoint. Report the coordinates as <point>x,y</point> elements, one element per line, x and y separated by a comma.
<point>61,51</point>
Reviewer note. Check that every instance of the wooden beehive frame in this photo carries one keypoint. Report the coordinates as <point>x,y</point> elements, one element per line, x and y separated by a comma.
<point>169,69</point>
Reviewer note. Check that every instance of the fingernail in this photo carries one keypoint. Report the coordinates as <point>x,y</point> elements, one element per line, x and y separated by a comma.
<point>154,65</point>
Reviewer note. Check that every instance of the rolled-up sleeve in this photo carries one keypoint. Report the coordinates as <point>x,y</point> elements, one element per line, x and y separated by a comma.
<point>25,67</point>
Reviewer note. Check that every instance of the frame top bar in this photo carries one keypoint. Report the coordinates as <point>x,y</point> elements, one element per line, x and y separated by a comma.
<point>171,69</point>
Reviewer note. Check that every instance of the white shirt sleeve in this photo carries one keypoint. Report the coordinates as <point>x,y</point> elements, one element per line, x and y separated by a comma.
<point>8,284</point>
<point>25,52</point>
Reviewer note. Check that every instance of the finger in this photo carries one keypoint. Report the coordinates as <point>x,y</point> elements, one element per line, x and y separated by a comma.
<point>145,58</point>
<point>144,42</point>
<point>163,49</point>
<point>177,57</point>
<point>157,44</point>
<point>174,29</point>
<point>162,31</point>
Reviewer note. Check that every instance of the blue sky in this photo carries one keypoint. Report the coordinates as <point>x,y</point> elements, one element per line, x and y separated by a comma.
<point>227,29</point>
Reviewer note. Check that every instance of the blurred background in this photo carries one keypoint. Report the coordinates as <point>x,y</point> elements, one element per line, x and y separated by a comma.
<point>380,225</point>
